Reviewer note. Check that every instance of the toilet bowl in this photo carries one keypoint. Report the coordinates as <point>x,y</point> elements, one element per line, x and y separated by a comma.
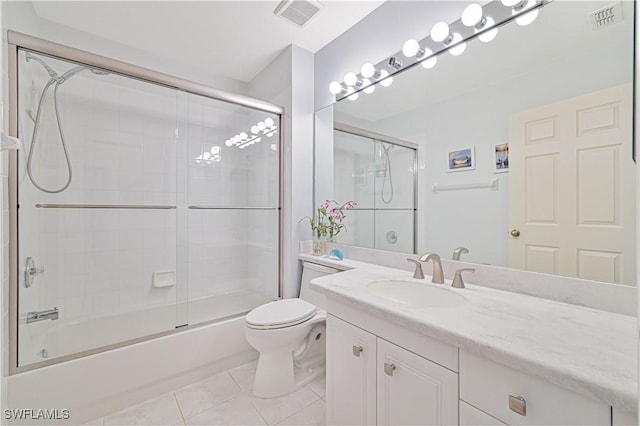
<point>290,336</point>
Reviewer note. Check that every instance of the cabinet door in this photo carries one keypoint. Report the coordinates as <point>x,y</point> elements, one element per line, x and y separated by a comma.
<point>413,390</point>
<point>351,374</point>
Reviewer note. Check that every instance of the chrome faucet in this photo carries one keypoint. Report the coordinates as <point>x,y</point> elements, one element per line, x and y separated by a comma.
<point>437,277</point>
<point>36,316</point>
<point>458,251</point>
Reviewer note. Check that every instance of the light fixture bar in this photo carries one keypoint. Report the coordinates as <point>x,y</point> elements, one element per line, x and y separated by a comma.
<point>392,65</point>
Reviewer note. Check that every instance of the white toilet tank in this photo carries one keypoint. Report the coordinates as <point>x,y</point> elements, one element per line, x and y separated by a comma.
<point>309,272</point>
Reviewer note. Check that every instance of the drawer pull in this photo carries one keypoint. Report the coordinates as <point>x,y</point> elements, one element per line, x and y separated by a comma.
<point>357,350</point>
<point>517,404</point>
<point>389,368</point>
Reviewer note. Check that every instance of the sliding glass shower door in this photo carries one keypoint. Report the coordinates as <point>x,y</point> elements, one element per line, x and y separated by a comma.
<point>232,208</point>
<point>141,208</point>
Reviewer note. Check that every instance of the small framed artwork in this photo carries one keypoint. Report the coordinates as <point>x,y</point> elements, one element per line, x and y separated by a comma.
<point>461,159</point>
<point>501,157</point>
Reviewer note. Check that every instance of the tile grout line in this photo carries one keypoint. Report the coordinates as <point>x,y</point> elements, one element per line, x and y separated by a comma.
<point>303,408</point>
<point>197,413</point>
<point>175,398</point>
<point>299,411</point>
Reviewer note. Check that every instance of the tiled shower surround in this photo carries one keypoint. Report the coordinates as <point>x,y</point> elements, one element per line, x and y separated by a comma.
<point>135,143</point>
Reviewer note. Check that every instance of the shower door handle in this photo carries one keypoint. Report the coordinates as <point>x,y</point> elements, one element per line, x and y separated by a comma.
<point>30,271</point>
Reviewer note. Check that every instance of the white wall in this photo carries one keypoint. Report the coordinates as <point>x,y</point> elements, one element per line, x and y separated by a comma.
<point>20,16</point>
<point>288,81</point>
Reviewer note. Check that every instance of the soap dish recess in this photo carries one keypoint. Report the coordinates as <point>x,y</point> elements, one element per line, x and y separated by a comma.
<point>164,278</point>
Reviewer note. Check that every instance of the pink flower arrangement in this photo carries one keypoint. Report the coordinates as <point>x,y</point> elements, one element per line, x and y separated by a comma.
<point>328,218</point>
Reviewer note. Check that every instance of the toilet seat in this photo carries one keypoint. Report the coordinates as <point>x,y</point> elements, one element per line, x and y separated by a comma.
<point>280,314</point>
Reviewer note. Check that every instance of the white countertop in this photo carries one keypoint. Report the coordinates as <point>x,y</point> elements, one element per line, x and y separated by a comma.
<point>585,350</point>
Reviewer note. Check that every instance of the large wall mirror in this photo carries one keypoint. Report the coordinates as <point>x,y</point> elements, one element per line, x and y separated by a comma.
<point>524,150</point>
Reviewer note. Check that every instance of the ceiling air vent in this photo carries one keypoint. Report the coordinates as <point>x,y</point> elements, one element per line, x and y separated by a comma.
<point>298,12</point>
<point>606,16</point>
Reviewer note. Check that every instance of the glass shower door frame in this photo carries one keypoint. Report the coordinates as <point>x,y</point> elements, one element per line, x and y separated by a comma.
<point>346,128</point>
<point>17,40</point>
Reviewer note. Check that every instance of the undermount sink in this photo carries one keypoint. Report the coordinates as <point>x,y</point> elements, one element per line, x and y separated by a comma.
<point>420,295</point>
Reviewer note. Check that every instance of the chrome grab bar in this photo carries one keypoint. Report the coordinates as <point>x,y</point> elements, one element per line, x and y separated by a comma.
<point>36,316</point>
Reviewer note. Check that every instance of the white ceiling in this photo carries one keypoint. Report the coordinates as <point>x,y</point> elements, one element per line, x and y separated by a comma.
<point>233,39</point>
<point>562,28</point>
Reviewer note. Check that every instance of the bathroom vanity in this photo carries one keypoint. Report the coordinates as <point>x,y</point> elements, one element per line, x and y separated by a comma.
<point>497,357</point>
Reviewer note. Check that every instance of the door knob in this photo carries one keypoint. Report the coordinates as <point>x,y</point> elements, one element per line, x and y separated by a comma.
<point>357,350</point>
<point>515,233</point>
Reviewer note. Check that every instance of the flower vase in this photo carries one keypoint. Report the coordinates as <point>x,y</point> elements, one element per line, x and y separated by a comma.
<point>321,245</point>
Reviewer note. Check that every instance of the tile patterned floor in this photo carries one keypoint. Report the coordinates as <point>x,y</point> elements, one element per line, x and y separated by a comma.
<point>226,399</point>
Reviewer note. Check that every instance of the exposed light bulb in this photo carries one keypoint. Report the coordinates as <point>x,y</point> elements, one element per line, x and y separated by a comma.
<point>410,48</point>
<point>459,49</point>
<point>489,35</point>
<point>254,129</point>
<point>384,81</point>
<point>257,140</point>
<point>335,87</point>
<point>510,3</point>
<point>440,32</point>
<point>261,125</point>
<point>368,70</point>
<point>269,122</point>
<point>350,79</point>
<point>243,136</point>
<point>528,17</point>
<point>431,61</point>
<point>472,15</point>
<point>351,95</point>
<point>368,90</point>
<point>228,142</point>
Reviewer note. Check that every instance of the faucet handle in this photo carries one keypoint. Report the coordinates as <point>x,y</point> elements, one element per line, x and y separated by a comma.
<point>417,274</point>
<point>458,282</point>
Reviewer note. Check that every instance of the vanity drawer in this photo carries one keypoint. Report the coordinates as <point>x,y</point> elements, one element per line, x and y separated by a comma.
<point>491,387</point>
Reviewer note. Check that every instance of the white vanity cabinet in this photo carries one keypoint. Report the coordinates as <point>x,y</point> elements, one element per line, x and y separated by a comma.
<point>410,389</point>
<point>517,398</point>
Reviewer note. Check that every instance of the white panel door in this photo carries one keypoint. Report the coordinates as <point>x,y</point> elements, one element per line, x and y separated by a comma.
<point>572,188</point>
<point>351,374</point>
<point>413,390</point>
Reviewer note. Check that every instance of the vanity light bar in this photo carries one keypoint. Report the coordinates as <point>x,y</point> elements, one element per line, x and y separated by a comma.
<point>477,21</point>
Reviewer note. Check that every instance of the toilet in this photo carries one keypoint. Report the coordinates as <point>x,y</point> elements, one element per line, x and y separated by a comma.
<point>290,336</point>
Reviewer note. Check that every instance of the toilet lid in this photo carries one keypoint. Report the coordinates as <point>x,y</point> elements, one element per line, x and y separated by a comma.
<point>281,312</point>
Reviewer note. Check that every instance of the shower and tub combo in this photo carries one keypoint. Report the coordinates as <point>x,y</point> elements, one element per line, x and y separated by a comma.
<point>135,204</point>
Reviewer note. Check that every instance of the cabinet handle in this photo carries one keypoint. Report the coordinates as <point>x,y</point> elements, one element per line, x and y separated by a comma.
<point>357,350</point>
<point>389,368</point>
<point>517,404</point>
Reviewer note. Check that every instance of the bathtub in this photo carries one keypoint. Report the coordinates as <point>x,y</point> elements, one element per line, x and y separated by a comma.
<point>94,385</point>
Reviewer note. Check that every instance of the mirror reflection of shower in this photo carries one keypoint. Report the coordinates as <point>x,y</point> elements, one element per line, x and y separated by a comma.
<point>379,172</point>
<point>384,162</point>
<point>56,80</point>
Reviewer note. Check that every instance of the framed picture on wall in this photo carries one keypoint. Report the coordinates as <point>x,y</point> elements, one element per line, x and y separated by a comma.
<point>501,157</point>
<point>461,159</point>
